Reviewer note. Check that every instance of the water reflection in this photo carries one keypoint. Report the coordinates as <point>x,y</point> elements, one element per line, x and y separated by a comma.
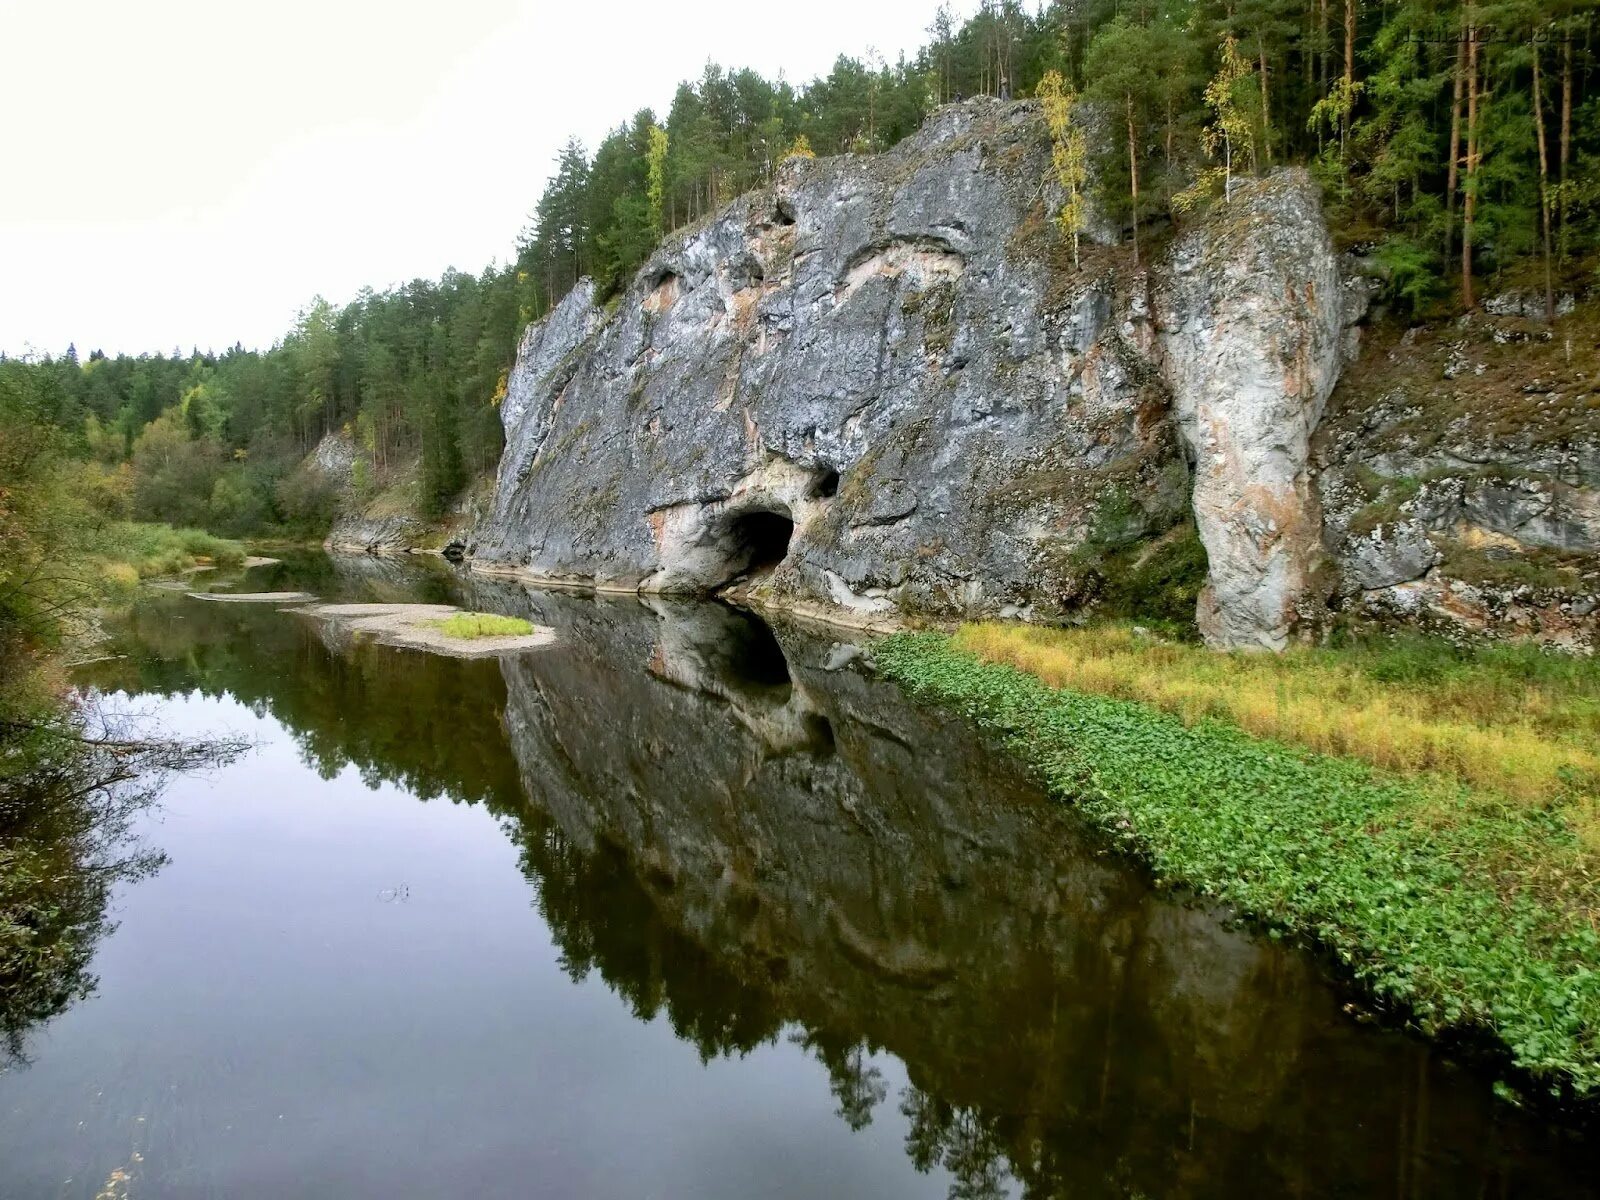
<point>759,849</point>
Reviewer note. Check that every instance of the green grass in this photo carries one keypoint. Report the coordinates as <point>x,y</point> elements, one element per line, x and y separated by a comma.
<point>1466,909</point>
<point>1517,721</point>
<point>128,551</point>
<point>482,625</point>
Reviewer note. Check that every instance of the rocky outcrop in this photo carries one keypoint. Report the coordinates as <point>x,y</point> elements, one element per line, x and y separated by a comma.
<point>1458,470</point>
<point>376,512</point>
<point>883,379</point>
<point>870,374</point>
<point>1252,314</point>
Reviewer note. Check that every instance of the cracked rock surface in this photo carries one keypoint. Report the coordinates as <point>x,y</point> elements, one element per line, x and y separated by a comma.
<point>880,385</point>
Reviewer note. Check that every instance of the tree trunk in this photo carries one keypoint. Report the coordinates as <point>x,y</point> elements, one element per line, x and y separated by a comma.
<point>1566,136</point>
<point>1266,104</point>
<point>1453,171</point>
<point>1544,181</point>
<point>1133,180</point>
<point>1470,182</point>
<point>1324,48</point>
<point>1349,74</point>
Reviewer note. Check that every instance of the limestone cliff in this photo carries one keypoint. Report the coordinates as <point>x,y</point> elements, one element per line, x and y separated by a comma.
<point>1251,314</point>
<point>376,511</point>
<point>882,385</point>
<point>1458,469</point>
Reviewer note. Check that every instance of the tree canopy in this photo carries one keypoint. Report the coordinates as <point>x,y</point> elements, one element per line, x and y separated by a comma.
<point>1455,139</point>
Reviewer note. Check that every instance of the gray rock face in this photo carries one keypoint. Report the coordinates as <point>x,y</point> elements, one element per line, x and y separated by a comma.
<point>353,530</point>
<point>1390,554</point>
<point>526,412</point>
<point>1252,315</point>
<point>883,376</point>
<point>1467,500</point>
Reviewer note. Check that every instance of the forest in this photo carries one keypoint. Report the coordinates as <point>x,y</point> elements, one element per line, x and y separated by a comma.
<point>1457,142</point>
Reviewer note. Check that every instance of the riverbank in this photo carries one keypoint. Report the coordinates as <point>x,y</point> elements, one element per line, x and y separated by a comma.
<point>126,552</point>
<point>1463,905</point>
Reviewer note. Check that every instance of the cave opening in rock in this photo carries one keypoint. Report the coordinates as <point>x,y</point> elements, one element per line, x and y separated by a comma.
<point>761,539</point>
<point>827,486</point>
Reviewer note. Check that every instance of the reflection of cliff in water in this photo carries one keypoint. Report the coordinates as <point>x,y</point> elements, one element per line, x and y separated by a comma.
<point>749,851</point>
<point>759,848</point>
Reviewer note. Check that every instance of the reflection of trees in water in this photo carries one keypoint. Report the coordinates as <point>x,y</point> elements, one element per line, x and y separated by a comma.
<point>71,787</point>
<point>430,725</point>
<point>691,841</point>
<point>958,1139</point>
<point>854,1080</point>
<point>603,918</point>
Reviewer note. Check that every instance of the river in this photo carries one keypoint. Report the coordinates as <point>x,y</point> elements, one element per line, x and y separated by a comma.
<point>668,909</point>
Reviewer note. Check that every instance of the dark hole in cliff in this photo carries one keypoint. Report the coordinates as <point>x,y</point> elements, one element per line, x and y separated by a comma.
<point>827,486</point>
<point>782,214</point>
<point>761,539</point>
<point>819,731</point>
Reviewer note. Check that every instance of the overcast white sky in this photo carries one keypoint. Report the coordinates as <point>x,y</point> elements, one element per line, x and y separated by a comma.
<point>181,173</point>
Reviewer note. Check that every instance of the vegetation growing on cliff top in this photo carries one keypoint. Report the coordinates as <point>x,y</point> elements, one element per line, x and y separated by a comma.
<point>1465,909</point>
<point>1457,139</point>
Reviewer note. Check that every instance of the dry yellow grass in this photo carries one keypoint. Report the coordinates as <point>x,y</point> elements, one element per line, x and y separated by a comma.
<point>120,575</point>
<point>1524,738</point>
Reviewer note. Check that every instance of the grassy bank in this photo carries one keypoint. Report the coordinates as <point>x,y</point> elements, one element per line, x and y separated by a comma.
<point>1515,720</point>
<point>1468,906</point>
<point>128,551</point>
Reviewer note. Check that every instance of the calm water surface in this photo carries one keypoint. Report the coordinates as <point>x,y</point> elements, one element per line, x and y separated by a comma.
<point>669,910</point>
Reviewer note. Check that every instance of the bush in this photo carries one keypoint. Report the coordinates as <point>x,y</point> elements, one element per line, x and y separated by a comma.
<point>308,500</point>
<point>150,550</point>
<point>239,503</point>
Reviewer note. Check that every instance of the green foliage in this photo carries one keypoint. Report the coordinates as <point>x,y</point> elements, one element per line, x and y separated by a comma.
<point>306,501</point>
<point>161,549</point>
<point>1412,273</point>
<point>1462,910</point>
<point>482,625</point>
<point>1158,581</point>
<point>217,440</point>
